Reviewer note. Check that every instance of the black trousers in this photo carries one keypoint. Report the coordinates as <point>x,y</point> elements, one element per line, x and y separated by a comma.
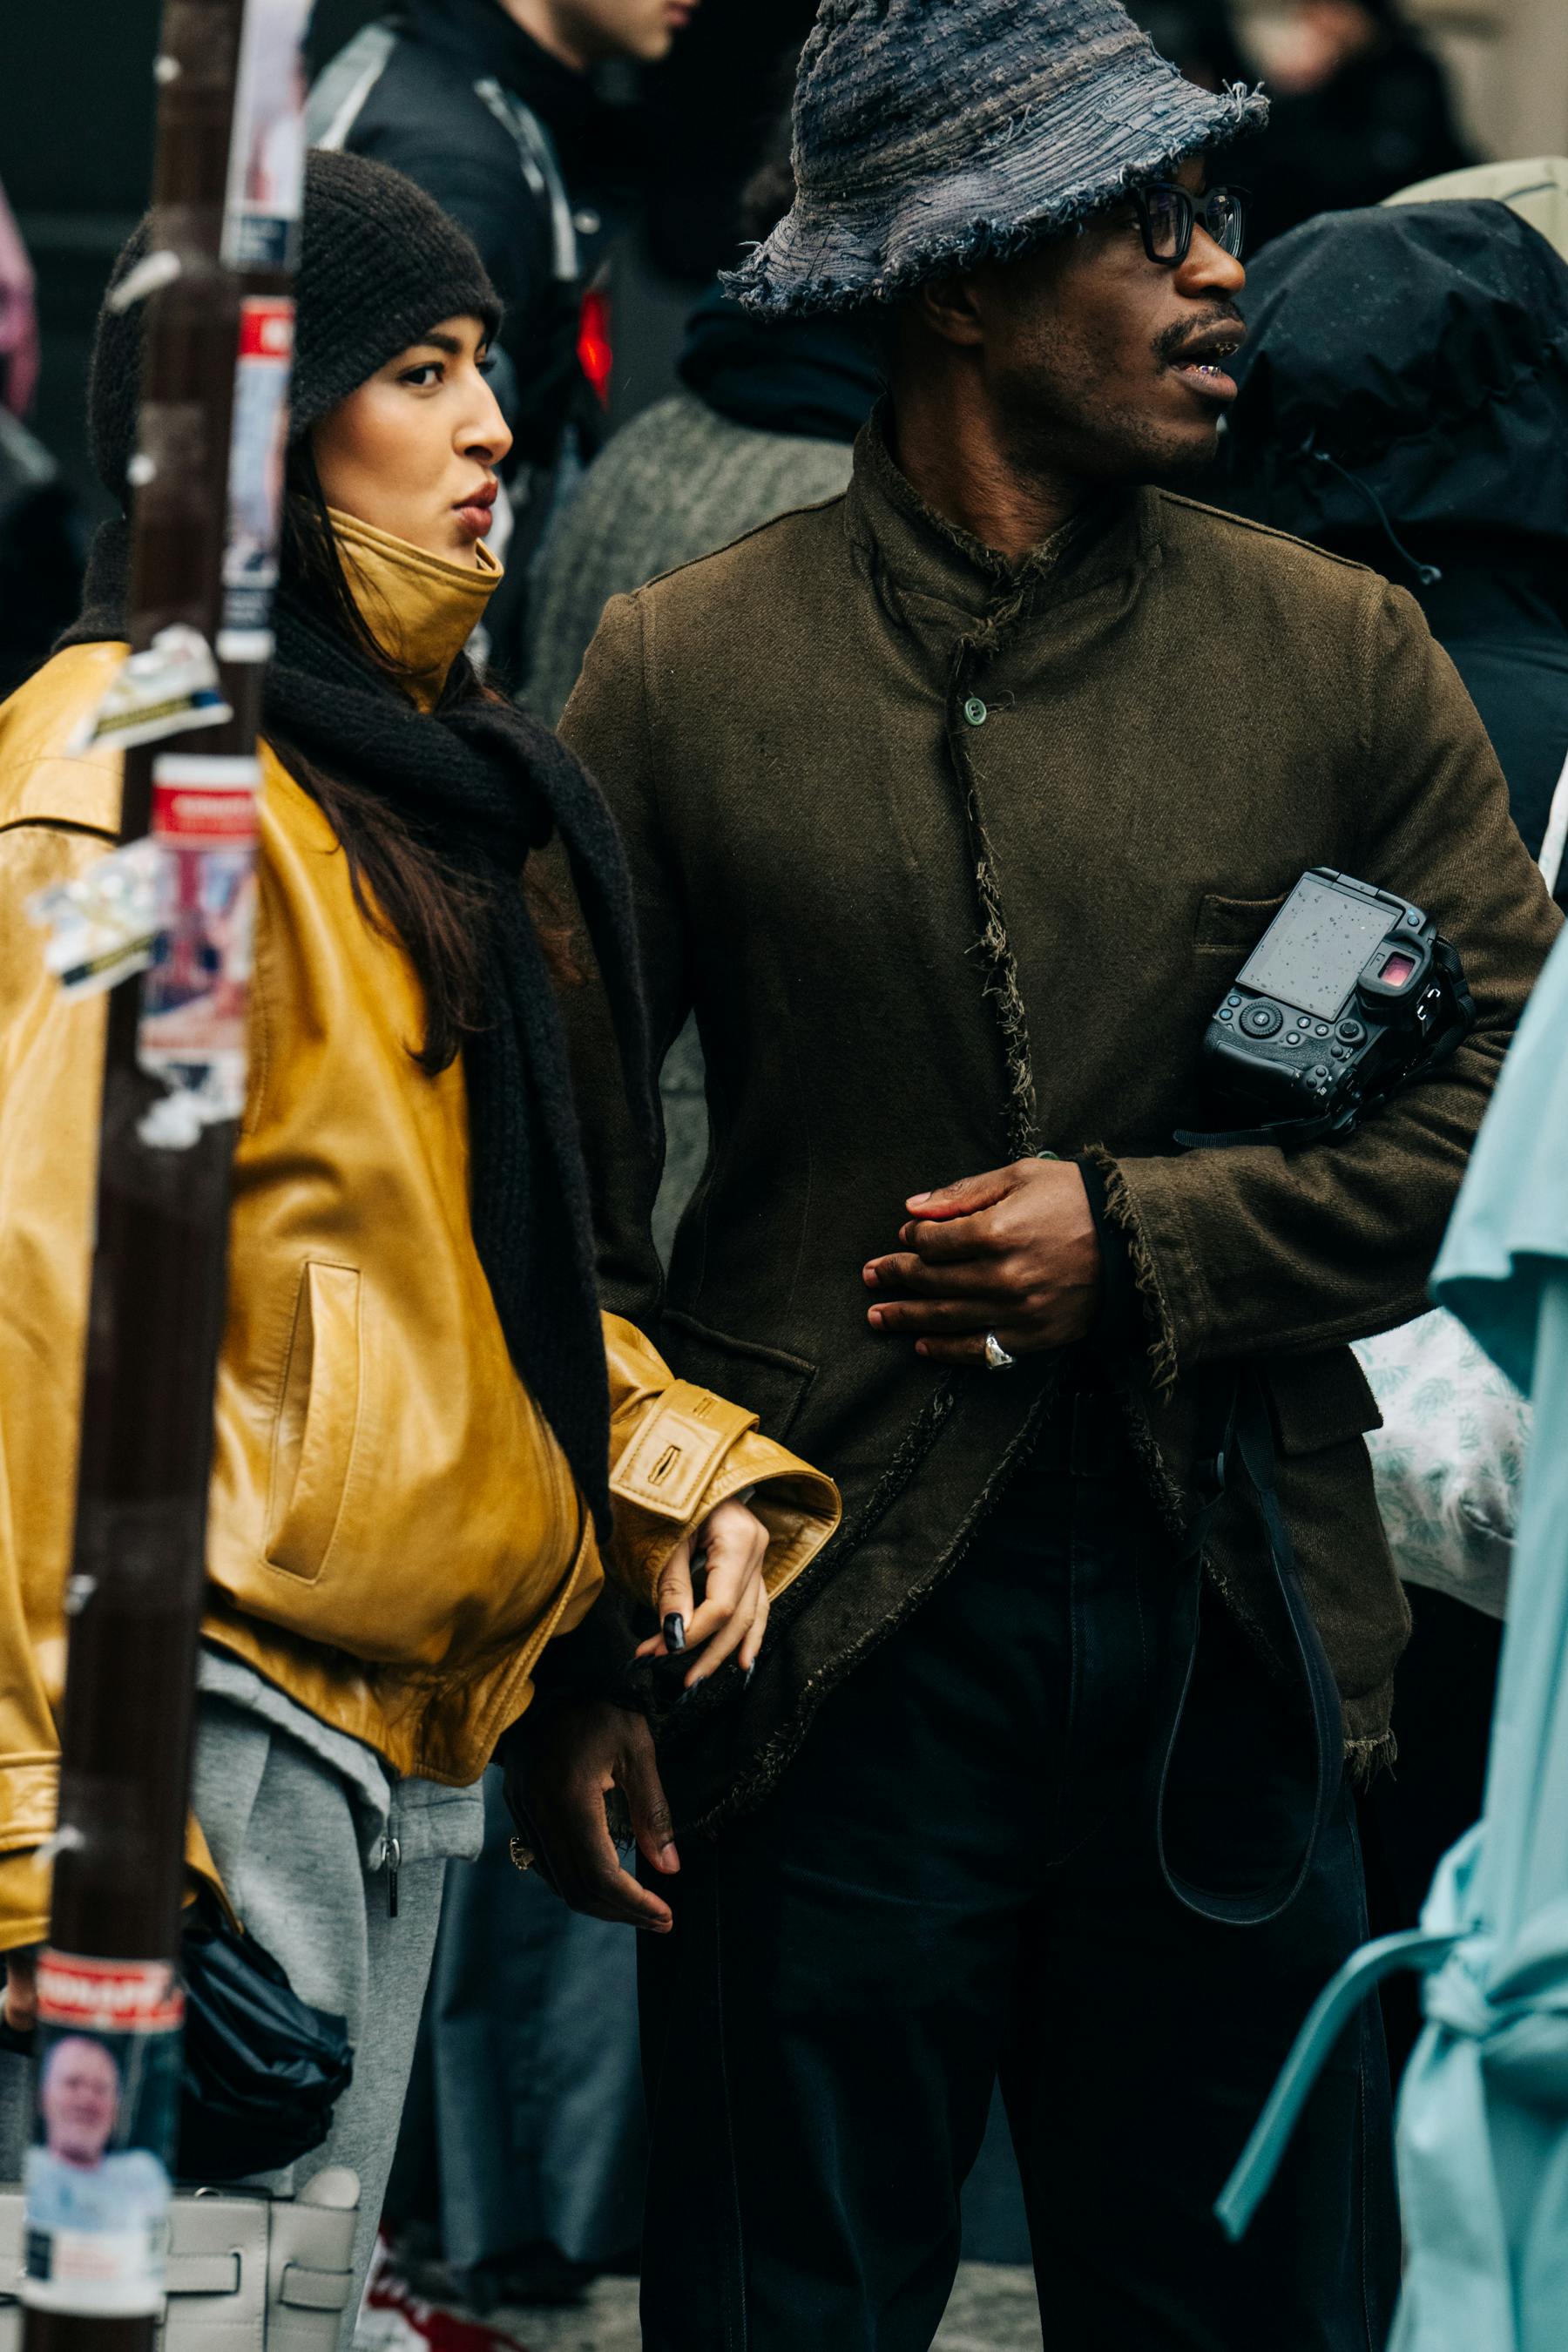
<point>955,1877</point>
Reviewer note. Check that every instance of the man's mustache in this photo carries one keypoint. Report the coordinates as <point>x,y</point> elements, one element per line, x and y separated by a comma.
<point>1169,346</point>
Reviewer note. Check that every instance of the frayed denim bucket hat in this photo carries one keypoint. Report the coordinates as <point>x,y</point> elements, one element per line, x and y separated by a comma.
<point>931,134</point>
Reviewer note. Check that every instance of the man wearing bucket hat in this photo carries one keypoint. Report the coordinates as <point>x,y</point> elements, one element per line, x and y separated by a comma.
<point>953,805</point>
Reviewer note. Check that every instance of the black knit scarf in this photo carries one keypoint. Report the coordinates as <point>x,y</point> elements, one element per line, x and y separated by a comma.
<point>482,783</point>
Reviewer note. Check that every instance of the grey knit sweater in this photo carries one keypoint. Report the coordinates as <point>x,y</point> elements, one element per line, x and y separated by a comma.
<point>679,483</point>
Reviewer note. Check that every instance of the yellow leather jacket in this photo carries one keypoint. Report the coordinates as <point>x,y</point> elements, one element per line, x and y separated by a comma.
<point>393,1533</point>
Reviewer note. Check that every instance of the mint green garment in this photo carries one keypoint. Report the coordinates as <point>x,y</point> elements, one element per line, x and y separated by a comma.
<point>1483,2116</point>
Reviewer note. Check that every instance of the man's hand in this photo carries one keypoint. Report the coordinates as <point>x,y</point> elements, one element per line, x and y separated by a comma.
<point>734,1613</point>
<point>21,1992</point>
<point>561,1761</point>
<point>1014,1253</point>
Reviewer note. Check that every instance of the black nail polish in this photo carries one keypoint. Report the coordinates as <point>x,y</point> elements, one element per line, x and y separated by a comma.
<point>675,1631</point>
<point>750,1670</point>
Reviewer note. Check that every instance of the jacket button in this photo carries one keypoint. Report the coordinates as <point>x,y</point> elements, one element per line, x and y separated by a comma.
<point>975,710</point>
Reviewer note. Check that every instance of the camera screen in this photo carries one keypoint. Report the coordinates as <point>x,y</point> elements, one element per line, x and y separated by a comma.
<point>1314,950</point>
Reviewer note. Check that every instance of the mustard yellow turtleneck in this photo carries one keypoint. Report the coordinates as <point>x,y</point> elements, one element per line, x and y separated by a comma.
<point>421,608</point>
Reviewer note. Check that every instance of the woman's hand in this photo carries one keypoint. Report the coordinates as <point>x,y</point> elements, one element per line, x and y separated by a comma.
<point>733,1616</point>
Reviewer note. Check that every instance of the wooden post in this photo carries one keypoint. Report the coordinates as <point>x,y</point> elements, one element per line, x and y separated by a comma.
<point>158,1280</point>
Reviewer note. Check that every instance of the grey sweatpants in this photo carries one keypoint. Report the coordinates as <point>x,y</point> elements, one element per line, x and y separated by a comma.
<point>302,1850</point>
<point>303,1857</point>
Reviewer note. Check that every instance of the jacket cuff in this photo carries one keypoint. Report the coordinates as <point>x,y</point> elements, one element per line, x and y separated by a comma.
<point>1118,1326</point>
<point>693,1451</point>
<point>1149,1248</point>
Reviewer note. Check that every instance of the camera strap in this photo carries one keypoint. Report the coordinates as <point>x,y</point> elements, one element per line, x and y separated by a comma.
<point>1243,1459</point>
<point>1292,1131</point>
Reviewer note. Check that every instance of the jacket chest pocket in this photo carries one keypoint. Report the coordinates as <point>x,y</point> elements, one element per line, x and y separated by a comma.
<point>318,1422</point>
<point>1235,925</point>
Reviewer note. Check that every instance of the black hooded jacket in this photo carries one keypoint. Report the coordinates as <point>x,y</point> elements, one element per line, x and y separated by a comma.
<point>1405,401</point>
<point>819,377</point>
<point>455,94</point>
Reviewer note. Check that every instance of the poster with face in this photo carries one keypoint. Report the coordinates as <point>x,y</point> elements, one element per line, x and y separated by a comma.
<point>96,2177</point>
<point>266,144</point>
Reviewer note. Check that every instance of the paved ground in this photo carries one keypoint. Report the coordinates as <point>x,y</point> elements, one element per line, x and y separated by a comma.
<point>993,2310</point>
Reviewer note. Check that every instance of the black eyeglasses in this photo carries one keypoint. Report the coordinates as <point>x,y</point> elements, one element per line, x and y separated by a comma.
<point>1167,214</point>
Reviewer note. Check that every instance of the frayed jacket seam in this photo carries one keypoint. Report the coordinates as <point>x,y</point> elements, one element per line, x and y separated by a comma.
<point>907,1456</point>
<point>1120,1207</point>
<point>1002,988</point>
<point>1365,1759</point>
<point>767,1763</point>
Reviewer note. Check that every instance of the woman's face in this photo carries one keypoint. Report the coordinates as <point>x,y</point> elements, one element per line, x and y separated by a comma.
<point>414,451</point>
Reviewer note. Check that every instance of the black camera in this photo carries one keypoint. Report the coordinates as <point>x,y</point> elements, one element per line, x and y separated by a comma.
<point>1350,994</point>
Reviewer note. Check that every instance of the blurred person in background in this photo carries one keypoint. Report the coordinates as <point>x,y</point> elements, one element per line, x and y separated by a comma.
<point>1200,36</point>
<point>19,317</point>
<point>1404,402</point>
<point>1361,108</point>
<point>409,1241</point>
<point>490,105</point>
<point>40,529</point>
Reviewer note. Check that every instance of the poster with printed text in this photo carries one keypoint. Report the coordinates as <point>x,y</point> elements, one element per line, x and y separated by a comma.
<point>96,2177</point>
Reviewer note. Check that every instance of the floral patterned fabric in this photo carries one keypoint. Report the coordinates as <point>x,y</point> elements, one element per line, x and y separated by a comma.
<point>1450,1458</point>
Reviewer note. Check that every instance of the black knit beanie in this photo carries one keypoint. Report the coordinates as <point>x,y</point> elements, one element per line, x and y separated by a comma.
<point>380,264</point>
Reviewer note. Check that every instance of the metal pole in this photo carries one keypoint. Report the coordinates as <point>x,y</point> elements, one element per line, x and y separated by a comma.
<point>159,1272</point>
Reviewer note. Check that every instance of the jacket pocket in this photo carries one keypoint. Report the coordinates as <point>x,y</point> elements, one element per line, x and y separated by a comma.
<point>1321,1401</point>
<point>1235,924</point>
<point>318,1422</point>
<point>767,1381</point>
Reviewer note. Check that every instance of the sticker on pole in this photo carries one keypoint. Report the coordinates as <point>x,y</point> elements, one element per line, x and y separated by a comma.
<point>103,927</point>
<point>105,2084</point>
<point>255,457</point>
<point>170,688</point>
<point>266,143</point>
<point>194,998</point>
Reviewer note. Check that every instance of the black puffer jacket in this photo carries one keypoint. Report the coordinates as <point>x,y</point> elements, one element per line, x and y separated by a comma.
<point>1405,401</point>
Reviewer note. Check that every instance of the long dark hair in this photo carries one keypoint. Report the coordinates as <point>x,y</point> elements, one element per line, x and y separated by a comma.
<point>402,885</point>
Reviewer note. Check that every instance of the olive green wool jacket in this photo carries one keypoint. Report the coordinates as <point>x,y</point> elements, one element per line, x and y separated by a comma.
<point>954,861</point>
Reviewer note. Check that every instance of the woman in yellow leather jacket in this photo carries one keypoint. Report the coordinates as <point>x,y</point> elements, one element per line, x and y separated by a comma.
<point>416,1441</point>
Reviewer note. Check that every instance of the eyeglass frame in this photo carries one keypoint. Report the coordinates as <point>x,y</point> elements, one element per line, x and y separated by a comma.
<point>1240,196</point>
